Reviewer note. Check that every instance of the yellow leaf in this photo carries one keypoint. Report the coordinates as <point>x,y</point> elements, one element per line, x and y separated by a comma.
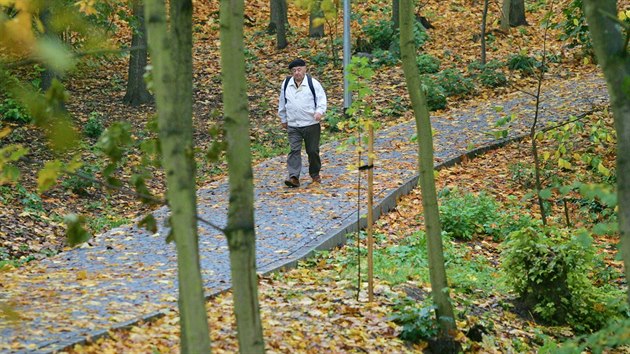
<point>622,15</point>
<point>587,60</point>
<point>82,275</point>
<point>603,170</point>
<point>4,132</point>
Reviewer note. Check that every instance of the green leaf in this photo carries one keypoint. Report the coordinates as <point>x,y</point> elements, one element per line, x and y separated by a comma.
<point>55,54</point>
<point>605,228</point>
<point>149,223</point>
<point>75,233</point>
<point>47,176</point>
<point>545,193</point>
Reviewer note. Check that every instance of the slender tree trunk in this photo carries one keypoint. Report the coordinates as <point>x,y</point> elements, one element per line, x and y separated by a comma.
<point>611,50</point>
<point>171,51</point>
<point>484,18</point>
<point>505,15</point>
<point>137,92</point>
<point>48,74</point>
<point>395,14</point>
<point>316,31</point>
<point>517,13</point>
<point>437,271</point>
<point>240,226</point>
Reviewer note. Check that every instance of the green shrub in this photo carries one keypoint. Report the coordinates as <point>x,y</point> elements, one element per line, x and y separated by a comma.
<point>320,59</point>
<point>381,35</point>
<point>334,116</point>
<point>418,322</point>
<point>80,182</point>
<point>575,29</point>
<point>427,64</point>
<point>453,82</point>
<point>492,78</point>
<point>548,269</point>
<point>524,63</point>
<point>435,95</point>
<point>464,216</point>
<point>94,126</point>
<point>383,58</point>
<point>11,110</point>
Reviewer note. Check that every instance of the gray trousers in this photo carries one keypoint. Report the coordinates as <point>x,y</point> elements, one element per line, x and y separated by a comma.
<point>310,136</point>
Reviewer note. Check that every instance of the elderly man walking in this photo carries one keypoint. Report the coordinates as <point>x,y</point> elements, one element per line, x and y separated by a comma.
<point>301,108</point>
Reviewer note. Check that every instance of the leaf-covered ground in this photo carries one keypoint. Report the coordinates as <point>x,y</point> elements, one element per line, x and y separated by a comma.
<point>313,308</point>
<point>316,308</point>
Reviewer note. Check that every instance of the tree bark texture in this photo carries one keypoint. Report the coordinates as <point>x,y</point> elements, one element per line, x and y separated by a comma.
<point>240,230</point>
<point>437,272</point>
<point>505,15</point>
<point>517,13</point>
<point>316,12</point>
<point>279,22</point>
<point>484,19</point>
<point>137,92</point>
<point>612,55</point>
<point>171,52</point>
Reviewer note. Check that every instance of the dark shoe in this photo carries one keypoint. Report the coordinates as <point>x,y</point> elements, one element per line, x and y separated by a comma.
<point>292,182</point>
<point>317,179</point>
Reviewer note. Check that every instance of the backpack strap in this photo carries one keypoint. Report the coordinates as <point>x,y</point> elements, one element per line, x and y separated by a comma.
<point>309,80</point>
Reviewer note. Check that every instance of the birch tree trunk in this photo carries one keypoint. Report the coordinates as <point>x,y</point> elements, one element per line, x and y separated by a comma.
<point>437,271</point>
<point>240,230</point>
<point>171,51</point>
<point>612,54</point>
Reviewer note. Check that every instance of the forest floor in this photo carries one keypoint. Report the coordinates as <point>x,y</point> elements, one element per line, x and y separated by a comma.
<point>296,303</point>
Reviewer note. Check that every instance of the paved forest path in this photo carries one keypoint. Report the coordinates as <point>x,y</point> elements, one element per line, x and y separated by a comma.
<point>128,274</point>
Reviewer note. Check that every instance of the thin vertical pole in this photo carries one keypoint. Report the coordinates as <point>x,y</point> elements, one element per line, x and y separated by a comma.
<point>347,96</point>
<point>370,214</point>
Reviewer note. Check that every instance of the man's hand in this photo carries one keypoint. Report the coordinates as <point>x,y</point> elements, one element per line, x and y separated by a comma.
<point>285,125</point>
<point>318,116</point>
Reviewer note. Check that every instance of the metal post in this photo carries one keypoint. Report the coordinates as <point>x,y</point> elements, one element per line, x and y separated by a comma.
<point>347,95</point>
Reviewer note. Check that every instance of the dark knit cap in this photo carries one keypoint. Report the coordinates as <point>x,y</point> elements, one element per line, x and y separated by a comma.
<point>297,62</point>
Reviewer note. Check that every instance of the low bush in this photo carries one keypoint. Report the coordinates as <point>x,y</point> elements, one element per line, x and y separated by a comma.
<point>11,110</point>
<point>466,215</point>
<point>453,82</point>
<point>80,182</point>
<point>94,126</point>
<point>548,268</point>
<point>524,63</point>
<point>418,322</point>
<point>427,64</point>
<point>435,95</point>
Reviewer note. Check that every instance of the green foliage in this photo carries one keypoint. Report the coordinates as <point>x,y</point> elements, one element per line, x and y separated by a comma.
<point>383,58</point>
<point>75,232</point>
<point>548,268</point>
<point>575,28</point>
<point>463,216</point>
<point>381,35</point>
<point>12,111</point>
<point>614,335</point>
<point>453,82</point>
<point>320,59</point>
<point>396,107</point>
<point>29,200</point>
<point>80,182</point>
<point>427,64</point>
<point>334,116</point>
<point>399,263</point>
<point>94,126</point>
<point>526,64</point>
<point>418,321</point>
<point>434,93</point>
<point>489,75</point>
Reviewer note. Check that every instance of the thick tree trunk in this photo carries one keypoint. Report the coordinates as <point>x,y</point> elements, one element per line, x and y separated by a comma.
<point>137,92</point>
<point>171,52</point>
<point>316,31</point>
<point>612,54</point>
<point>240,230</point>
<point>437,271</point>
<point>517,13</point>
